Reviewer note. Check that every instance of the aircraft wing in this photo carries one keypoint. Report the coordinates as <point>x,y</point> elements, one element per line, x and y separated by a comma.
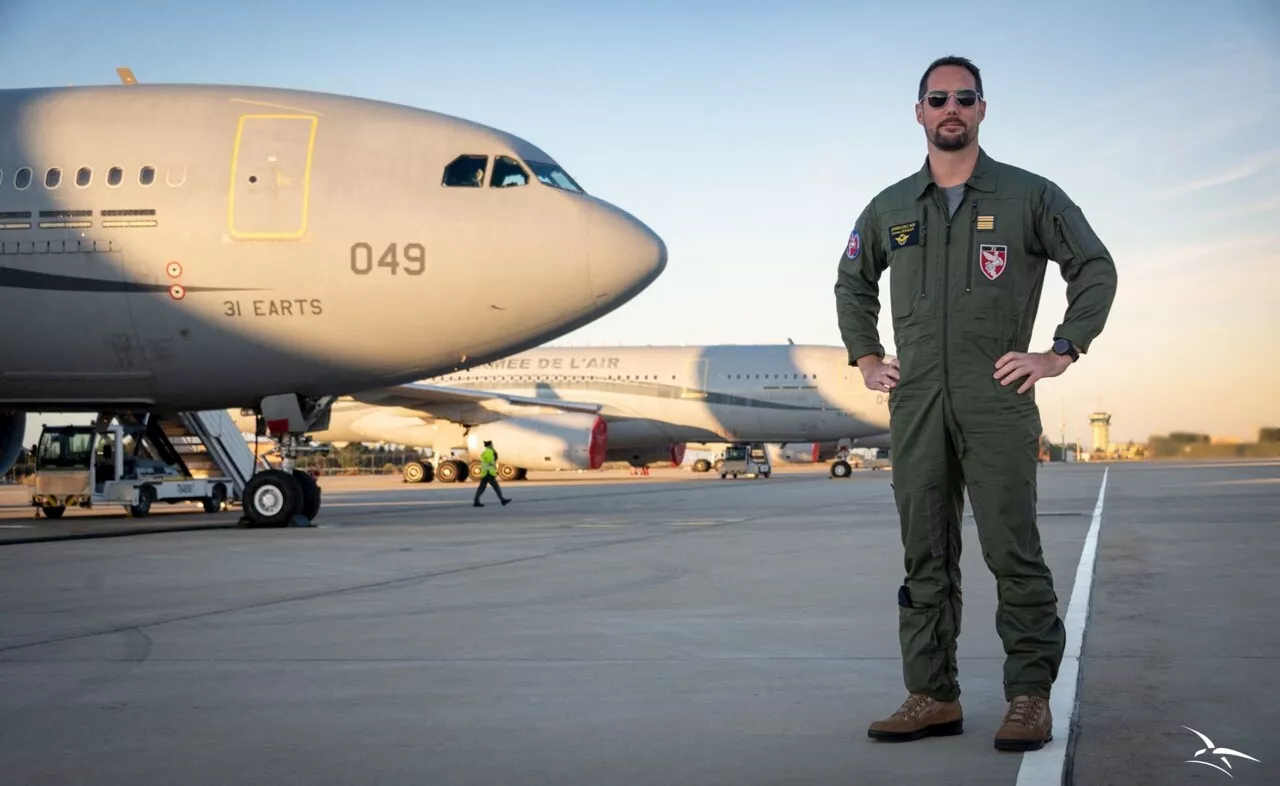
<point>429,398</point>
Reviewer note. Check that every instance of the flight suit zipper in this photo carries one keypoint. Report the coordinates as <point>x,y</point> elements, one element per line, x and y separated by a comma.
<point>940,201</point>
<point>974,259</point>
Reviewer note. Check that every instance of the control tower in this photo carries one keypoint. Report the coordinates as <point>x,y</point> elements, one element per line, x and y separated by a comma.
<point>1101,423</point>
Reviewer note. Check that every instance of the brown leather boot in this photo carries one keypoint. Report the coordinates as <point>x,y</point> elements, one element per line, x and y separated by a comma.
<point>919,716</point>
<point>1028,725</point>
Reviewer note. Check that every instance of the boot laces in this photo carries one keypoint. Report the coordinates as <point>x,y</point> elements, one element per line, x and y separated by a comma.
<point>1025,711</point>
<point>912,706</point>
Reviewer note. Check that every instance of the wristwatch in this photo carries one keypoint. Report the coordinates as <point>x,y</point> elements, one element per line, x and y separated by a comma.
<point>1062,346</point>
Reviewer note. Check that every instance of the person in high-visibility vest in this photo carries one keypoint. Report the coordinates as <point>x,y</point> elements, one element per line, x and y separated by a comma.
<point>489,474</point>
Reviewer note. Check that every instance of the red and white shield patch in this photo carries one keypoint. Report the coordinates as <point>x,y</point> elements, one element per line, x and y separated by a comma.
<point>993,260</point>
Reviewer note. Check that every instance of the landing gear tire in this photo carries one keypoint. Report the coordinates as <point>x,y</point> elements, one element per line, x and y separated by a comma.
<point>53,511</point>
<point>507,472</point>
<point>474,470</point>
<point>417,472</point>
<point>719,465</point>
<point>146,495</point>
<point>213,503</point>
<point>310,494</point>
<point>271,497</point>
<point>840,469</point>
<point>447,472</point>
<point>702,465</point>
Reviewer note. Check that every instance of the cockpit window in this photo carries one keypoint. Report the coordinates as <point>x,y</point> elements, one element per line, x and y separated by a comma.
<point>467,171</point>
<point>507,172</point>
<point>554,176</point>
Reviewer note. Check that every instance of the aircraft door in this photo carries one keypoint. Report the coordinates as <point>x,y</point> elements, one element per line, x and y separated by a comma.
<point>696,388</point>
<point>271,177</point>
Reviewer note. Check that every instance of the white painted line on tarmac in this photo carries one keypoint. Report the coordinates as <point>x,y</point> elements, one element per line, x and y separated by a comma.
<point>1044,767</point>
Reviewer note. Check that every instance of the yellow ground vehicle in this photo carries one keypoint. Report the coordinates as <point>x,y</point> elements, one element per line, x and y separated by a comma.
<point>85,466</point>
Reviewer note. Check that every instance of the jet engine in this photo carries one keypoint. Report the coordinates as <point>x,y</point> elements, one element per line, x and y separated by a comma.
<point>12,426</point>
<point>669,455</point>
<point>568,441</point>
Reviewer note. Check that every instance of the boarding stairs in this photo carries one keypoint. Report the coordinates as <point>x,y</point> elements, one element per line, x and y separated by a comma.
<point>204,444</point>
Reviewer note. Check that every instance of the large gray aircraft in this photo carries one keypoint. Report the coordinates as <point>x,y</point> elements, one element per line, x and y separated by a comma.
<point>560,408</point>
<point>198,247</point>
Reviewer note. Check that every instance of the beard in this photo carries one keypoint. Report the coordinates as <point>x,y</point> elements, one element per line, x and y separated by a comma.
<point>951,138</point>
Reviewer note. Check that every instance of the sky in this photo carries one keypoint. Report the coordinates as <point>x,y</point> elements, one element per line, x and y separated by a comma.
<point>750,135</point>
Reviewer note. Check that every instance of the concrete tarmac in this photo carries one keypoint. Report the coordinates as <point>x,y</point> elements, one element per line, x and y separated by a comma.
<point>670,629</point>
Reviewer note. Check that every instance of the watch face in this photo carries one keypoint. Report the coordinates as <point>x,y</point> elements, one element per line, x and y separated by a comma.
<point>1061,346</point>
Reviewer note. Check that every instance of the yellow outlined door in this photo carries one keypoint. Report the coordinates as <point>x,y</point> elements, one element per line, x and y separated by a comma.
<point>271,177</point>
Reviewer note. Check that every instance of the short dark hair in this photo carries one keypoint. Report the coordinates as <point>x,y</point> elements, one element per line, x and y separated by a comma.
<point>954,60</point>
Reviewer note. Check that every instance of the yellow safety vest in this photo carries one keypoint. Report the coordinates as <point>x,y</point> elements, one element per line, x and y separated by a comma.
<point>489,462</point>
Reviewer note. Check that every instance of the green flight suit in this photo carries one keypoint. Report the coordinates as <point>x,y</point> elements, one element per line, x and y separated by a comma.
<point>965,284</point>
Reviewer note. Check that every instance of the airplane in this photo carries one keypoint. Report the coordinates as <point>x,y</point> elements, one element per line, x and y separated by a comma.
<point>557,408</point>
<point>189,247</point>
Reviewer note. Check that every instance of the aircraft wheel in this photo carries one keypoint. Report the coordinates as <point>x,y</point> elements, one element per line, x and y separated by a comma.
<point>474,469</point>
<point>146,495</point>
<point>53,511</point>
<point>310,506</point>
<point>507,472</point>
<point>840,469</point>
<point>447,472</point>
<point>271,497</point>
<point>702,465</point>
<point>719,465</point>
<point>414,472</point>
<point>213,503</point>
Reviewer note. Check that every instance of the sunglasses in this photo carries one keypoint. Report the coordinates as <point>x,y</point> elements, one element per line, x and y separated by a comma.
<point>938,98</point>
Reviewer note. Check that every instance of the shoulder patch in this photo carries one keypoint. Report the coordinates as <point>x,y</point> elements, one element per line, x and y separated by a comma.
<point>855,245</point>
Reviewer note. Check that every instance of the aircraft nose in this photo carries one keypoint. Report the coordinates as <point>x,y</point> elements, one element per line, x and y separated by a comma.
<point>624,255</point>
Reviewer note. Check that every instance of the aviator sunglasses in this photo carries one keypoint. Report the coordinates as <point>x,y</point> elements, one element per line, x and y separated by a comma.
<point>938,98</point>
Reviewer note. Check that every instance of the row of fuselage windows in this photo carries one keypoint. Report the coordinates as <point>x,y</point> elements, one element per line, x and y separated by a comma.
<point>463,171</point>
<point>53,177</point>
<point>628,377</point>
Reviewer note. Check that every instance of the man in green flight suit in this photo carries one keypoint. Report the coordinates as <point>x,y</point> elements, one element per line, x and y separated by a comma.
<point>489,474</point>
<point>966,240</point>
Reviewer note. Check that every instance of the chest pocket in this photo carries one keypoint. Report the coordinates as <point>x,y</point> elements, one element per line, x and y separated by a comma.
<point>902,235</point>
<point>999,261</point>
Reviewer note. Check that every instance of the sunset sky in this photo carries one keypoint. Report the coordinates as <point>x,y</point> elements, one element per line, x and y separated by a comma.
<point>750,135</point>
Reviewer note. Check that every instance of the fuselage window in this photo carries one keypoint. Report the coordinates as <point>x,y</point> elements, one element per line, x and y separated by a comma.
<point>114,176</point>
<point>84,177</point>
<point>175,176</point>
<point>507,172</point>
<point>147,176</point>
<point>466,171</point>
<point>22,178</point>
<point>53,178</point>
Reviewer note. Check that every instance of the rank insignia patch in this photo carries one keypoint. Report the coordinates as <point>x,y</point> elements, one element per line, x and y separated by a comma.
<point>986,223</point>
<point>904,234</point>
<point>993,260</point>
